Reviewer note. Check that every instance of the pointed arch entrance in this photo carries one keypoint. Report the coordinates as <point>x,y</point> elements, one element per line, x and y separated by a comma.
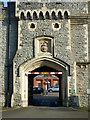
<point>43,64</point>
<point>47,72</point>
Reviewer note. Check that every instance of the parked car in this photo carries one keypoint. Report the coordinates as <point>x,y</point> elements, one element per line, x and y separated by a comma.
<point>37,90</point>
<point>53,89</point>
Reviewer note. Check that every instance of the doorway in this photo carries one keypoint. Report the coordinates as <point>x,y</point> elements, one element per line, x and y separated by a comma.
<point>51,98</point>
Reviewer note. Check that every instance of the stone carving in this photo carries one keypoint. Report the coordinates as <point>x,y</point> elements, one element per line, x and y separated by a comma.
<point>44,46</point>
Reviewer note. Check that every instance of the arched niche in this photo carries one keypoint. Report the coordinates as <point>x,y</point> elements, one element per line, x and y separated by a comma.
<point>28,16</point>
<point>53,16</point>
<point>41,17</point>
<point>47,16</point>
<point>59,15</point>
<point>35,15</point>
<point>22,17</point>
<point>65,15</point>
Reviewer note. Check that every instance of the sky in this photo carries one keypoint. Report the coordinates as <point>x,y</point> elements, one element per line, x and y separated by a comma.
<point>5,2</point>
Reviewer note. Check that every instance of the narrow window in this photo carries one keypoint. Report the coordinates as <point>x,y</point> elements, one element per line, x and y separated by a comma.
<point>59,15</point>
<point>53,15</point>
<point>65,15</point>
<point>41,17</point>
<point>47,16</point>
<point>28,16</point>
<point>32,25</point>
<point>22,16</point>
<point>35,15</point>
<point>56,25</point>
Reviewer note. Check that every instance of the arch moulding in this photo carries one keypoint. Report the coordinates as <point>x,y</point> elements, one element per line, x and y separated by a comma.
<point>33,64</point>
<point>44,61</point>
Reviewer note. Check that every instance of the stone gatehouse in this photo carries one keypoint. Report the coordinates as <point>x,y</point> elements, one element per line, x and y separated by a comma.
<point>44,37</point>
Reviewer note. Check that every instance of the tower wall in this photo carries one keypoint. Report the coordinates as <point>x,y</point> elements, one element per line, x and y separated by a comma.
<point>70,42</point>
<point>8,46</point>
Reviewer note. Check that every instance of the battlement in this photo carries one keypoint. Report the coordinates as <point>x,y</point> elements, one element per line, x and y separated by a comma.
<point>77,8</point>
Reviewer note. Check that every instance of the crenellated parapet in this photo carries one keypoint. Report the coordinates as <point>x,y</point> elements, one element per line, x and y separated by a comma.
<point>50,15</point>
<point>72,9</point>
<point>78,13</point>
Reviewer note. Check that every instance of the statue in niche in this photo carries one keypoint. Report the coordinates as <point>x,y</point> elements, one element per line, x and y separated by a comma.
<point>44,46</point>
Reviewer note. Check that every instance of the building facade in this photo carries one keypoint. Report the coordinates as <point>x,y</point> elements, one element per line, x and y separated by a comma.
<point>45,81</point>
<point>52,37</point>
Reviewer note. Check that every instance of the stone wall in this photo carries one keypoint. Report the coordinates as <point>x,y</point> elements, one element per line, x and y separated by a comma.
<point>82,84</point>
<point>89,56</point>
<point>1,5</point>
<point>4,58</point>
<point>70,43</point>
<point>79,42</point>
<point>8,47</point>
<point>26,49</point>
<point>1,71</point>
<point>43,28</point>
<point>79,37</point>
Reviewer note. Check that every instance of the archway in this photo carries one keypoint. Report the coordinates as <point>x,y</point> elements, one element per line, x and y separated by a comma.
<point>41,64</point>
<point>41,98</point>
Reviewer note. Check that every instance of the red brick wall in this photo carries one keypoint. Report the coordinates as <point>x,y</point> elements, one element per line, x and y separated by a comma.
<point>43,81</point>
